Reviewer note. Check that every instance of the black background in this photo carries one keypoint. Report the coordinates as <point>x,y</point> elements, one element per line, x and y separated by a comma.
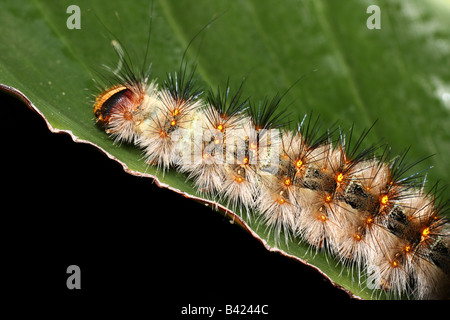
<point>139,247</point>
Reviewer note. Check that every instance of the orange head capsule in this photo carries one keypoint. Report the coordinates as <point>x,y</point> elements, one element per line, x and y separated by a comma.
<point>339,178</point>
<point>108,101</point>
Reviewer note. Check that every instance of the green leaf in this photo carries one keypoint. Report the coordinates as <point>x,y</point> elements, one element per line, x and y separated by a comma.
<point>397,74</point>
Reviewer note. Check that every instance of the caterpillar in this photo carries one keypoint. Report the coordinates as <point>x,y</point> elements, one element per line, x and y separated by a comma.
<point>306,184</point>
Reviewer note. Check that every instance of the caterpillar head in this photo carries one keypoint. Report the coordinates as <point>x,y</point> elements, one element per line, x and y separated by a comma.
<point>113,101</point>
<point>120,109</point>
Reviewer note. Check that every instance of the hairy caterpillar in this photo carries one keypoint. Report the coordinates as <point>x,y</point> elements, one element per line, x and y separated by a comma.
<point>319,187</point>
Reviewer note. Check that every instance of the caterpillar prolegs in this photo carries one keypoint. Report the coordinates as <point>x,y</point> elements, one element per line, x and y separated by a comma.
<point>321,187</point>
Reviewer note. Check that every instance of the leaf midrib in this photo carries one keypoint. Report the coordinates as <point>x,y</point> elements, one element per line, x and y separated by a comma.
<point>341,59</point>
